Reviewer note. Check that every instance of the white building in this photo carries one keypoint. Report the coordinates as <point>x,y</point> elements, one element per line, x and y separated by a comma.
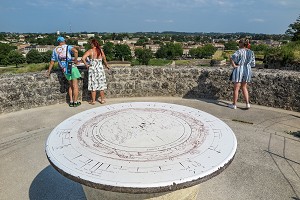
<point>82,42</point>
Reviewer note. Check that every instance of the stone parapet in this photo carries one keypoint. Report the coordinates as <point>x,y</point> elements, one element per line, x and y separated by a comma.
<point>273,88</point>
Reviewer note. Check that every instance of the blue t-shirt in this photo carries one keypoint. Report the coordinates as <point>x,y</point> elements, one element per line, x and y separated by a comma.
<point>59,55</point>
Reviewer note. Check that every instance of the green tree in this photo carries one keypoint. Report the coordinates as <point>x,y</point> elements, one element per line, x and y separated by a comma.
<point>208,50</point>
<point>108,49</point>
<point>122,52</point>
<point>194,52</point>
<point>231,45</point>
<point>143,55</point>
<point>260,47</point>
<point>4,61</point>
<point>294,30</point>
<point>46,40</point>
<point>203,52</point>
<point>33,56</point>
<point>169,51</point>
<point>15,57</point>
<point>4,51</point>
<point>141,41</point>
<point>46,56</point>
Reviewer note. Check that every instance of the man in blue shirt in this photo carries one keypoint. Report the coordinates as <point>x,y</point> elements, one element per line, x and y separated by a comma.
<point>63,55</point>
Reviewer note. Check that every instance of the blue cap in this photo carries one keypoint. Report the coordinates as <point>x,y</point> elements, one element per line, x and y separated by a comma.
<point>60,39</point>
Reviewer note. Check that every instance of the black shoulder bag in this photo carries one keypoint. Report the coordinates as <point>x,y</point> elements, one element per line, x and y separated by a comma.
<point>69,63</point>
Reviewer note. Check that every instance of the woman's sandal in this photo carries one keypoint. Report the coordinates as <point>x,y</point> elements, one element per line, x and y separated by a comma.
<point>92,102</point>
<point>102,101</point>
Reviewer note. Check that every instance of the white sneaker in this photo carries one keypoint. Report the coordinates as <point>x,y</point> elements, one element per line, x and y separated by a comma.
<point>232,106</point>
<point>248,105</point>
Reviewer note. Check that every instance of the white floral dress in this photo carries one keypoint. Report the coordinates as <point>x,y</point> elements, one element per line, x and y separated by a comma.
<point>97,78</point>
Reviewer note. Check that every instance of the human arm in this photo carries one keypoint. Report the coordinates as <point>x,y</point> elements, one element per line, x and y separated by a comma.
<point>104,59</point>
<point>51,64</point>
<point>75,52</point>
<point>252,61</point>
<point>84,57</point>
<point>234,59</point>
<point>232,63</point>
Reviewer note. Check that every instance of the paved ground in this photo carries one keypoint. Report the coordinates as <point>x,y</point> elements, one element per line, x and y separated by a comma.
<point>266,165</point>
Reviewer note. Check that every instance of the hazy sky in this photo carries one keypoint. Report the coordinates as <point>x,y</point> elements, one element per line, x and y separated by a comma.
<point>224,16</point>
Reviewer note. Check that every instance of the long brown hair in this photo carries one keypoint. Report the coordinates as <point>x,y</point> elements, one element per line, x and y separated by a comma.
<point>98,47</point>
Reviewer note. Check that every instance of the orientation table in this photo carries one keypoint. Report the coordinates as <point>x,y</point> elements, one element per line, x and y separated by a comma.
<point>141,150</point>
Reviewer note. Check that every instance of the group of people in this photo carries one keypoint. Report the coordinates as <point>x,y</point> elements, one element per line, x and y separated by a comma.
<point>242,61</point>
<point>96,74</point>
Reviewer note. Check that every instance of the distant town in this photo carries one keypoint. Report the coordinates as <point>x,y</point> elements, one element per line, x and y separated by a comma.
<point>26,42</point>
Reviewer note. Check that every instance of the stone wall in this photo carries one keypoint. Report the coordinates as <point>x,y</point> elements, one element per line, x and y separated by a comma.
<point>272,63</point>
<point>274,88</point>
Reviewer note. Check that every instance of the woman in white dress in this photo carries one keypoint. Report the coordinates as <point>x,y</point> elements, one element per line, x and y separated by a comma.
<point>97,78</point>
<point>242,61</point>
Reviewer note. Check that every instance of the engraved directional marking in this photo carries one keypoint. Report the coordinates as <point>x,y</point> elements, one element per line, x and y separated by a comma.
<point>141,145</point>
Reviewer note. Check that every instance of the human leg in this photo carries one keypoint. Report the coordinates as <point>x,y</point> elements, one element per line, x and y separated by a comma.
<point>235,95</point>
<point>70,92</point>
<point>93,96</point>
<point>245,91</point>
<point>102,97</point>
<point>245,94</point>
<point>75,92</point>
<point>75,89</point>
<point>236,92</point>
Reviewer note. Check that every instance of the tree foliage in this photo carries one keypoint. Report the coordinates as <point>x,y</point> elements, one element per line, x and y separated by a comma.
<point>143,55</point>
<point>4,51</point>
<point>207,51</point>
<point>141,41</point>
<point>108,49</point>
<point>122,52</point>
<point>294,30</point>
<point>33,56</point>
<point>169,51</point>
<point>260,47</point>
<point>46,56</point>
<point>231,45</point>
<point>45,40</point>
<point>15,57</point>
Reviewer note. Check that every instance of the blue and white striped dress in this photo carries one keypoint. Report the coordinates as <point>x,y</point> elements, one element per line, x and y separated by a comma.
<point>245,60</point>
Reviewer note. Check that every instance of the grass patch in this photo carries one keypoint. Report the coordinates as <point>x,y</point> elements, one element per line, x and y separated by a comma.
<point>183,62</point>
<point>24,68</point>
<point>159,62</point>
<point>153,62</point>
<point>218,55</point>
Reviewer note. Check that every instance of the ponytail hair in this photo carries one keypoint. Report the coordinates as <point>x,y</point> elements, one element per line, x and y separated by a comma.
<point>245,42</point>
<point>98,47</point>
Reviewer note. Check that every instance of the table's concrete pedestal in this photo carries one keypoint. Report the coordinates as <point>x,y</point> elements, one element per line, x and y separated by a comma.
<point>183,194</point>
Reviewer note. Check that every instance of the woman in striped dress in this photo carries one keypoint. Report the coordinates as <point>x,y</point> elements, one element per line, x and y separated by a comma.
<point>97,78</point>
<point>242,61</point>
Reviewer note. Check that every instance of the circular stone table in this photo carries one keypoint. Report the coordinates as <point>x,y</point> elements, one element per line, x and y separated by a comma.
<point>141,150</point>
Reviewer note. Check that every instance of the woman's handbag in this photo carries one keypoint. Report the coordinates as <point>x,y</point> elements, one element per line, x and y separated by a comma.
<point>69,64</point>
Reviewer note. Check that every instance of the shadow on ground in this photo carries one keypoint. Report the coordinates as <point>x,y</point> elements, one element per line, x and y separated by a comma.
<point>51,185</point>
